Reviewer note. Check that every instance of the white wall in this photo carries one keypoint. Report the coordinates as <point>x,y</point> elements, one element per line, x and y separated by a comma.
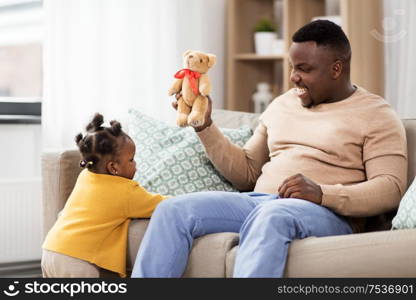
<point>20,192</point>
<point>20,220</point>
<point>20,150</point>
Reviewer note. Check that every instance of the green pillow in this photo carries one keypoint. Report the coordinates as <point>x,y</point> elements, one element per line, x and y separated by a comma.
<point>171,160</point>
<point>406,214</point>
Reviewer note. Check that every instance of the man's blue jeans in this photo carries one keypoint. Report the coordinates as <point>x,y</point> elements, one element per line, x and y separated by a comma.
<point>266,223</point>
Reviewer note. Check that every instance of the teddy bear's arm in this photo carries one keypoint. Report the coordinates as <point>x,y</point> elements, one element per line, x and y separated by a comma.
<point>176,87</point>
<point>204,85</point>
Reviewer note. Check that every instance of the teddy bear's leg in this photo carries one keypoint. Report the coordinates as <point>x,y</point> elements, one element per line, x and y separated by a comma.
<point>183,112</point>
<point>197,116</point>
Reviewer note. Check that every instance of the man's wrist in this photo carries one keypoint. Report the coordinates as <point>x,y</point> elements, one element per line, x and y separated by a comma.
<point>203,127</point>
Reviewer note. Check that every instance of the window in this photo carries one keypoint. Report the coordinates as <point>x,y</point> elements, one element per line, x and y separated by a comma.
<point>20,60</point>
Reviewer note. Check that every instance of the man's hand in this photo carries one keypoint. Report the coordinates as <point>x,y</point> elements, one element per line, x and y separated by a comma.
<point>208,120</point>
<point>301,187</point>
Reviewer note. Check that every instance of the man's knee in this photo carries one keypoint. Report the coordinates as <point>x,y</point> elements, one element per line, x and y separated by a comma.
<point>184,205</point>
<point>169,208</point>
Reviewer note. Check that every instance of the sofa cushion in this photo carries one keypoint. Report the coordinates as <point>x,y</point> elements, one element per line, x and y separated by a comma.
<point>171,160</point>
<point>406,214</point>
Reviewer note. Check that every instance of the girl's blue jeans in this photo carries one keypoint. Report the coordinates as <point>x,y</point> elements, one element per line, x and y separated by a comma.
<point>266,224</point>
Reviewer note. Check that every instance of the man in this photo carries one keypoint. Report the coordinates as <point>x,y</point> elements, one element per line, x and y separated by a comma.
<point>324,156</point>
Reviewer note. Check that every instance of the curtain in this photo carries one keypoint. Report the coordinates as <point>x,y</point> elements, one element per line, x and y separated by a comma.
<point>111,55</point>
<point>400,61</point>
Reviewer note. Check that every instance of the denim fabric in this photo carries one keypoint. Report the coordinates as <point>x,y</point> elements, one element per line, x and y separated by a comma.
<point>266,223</point>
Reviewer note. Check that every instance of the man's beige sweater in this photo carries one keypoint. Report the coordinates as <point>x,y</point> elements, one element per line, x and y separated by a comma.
<point>355,149</point>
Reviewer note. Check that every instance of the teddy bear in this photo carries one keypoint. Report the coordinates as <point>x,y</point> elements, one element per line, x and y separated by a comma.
<point>193,83</point>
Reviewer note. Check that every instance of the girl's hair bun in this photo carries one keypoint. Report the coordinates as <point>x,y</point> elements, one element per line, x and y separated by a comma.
<point>96,123</point>
<point>115,128</point>
<point>78,138</point>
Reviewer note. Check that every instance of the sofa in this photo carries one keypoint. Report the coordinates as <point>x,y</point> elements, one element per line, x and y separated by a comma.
<point>378,252</point>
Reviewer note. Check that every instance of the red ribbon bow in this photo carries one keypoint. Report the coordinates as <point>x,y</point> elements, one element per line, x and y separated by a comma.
<point>192,76</point>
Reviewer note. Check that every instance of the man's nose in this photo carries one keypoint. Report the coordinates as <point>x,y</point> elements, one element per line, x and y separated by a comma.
<point>294,77</point>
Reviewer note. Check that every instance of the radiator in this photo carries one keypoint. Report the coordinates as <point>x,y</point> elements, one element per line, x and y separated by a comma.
<point>20,220</point>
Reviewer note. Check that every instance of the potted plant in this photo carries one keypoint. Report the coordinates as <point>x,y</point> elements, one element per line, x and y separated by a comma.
<point>264,36</point>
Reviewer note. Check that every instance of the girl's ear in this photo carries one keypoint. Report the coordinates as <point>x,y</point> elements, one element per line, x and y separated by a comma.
<point>112,168</point>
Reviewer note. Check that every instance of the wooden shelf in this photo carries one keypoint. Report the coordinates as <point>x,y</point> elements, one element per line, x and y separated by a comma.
<point>253,56</point>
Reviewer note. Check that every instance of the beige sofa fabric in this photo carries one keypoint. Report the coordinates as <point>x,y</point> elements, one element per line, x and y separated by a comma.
<point>373,254</point>
<point>136,232</point>
<point>55,265</point>
<point>60,170</point>
<point>209,253</point>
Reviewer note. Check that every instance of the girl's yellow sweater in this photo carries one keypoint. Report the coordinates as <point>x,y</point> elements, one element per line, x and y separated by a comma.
<point>94,223</point>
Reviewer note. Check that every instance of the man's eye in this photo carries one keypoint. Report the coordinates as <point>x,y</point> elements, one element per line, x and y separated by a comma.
<point>200,60</point>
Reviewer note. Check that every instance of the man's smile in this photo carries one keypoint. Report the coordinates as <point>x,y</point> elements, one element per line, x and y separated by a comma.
<point>301,92</point>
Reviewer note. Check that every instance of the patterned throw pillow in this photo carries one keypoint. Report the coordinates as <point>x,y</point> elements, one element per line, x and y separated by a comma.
<point>171,160</point>
<point>406,214</point>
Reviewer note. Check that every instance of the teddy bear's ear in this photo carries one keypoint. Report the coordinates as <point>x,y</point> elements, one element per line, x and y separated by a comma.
<point>187,52</point>
<point>212,59</point>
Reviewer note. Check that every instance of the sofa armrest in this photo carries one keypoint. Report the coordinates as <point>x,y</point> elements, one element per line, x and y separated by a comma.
<point>59,173</point>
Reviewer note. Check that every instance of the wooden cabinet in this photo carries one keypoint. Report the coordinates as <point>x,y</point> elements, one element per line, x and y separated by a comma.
<point>245,69</point>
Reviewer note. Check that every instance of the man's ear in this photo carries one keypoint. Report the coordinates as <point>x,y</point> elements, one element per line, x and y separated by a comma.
<point>337,68</point>
<point>111,167</point>
<point>212,59</point>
